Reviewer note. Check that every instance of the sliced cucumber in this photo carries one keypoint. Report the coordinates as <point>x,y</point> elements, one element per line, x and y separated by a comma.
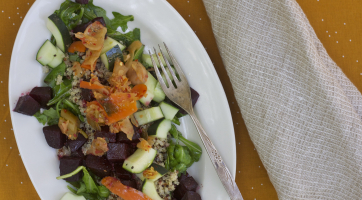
<point>148,115</point>
<point>138,53</point>
<point>147,60</point>
<point>151,85</point>
<point>60,32</point>
<point>109,43</point>
<point>160,128</point>
<point>161,171</point>
<point>58,59</point>
<point>110,56</point>
<point>168,110</point>
<point>139,160</point>
<point>71,196</point>
<point>159,95</point>
<point>46,53</point>
<point>149,189</point>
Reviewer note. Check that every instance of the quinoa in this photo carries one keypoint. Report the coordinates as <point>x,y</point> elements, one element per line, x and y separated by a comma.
<point>45,69</point>
<point>167,184</point>
<point>59,79</point>
<point>160,145</point>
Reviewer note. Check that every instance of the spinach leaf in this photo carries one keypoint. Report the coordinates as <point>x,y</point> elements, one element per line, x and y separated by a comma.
<point>70,13</point>
<point>72,189</point>
<point>62,93</point>
<point>120,20</point>
<point>49,117</point>
<point>103,191</point>
<point>126,38</point>
<point>41,118</point>
<point>176,120</point>
<point>91,186</point>
<point>82,188</point>
<point>50,79</point>
<point>74,108</point>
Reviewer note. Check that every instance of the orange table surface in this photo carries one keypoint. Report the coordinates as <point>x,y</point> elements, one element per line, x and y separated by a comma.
<point>337,24</point>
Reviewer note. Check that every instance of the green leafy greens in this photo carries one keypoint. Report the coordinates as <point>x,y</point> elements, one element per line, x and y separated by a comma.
<point>49,117</point>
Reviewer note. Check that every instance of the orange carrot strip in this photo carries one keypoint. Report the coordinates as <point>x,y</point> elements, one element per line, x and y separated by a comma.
<point>88,85</point>
<point>125,192</point>
<point>77,46</point>
<point>140,90</point>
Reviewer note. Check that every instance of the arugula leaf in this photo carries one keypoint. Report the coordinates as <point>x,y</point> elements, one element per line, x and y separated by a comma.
<point>120,20</point>
<point>50,79</point>
<point>91,186</point>
<point>126,38</point>
<point>82,188</point>
<point>72,189</point>
<point>70,13</point>
<point>97,12</point>
<point>103,191</point>
<point>41,118</point>
<point>49,117</point>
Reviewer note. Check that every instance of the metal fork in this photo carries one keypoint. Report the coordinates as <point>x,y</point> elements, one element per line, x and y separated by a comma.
<point>181,95</point>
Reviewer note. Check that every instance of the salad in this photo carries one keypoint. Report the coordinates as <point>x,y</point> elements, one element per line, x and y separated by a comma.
<point>113,128</point>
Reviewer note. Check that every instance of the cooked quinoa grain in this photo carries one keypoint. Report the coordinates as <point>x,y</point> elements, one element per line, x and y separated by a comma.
<point>167,184</point>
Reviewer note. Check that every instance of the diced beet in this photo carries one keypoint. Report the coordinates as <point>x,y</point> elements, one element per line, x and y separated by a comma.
<point>69,164</point>
<point>190,195</point>
<point>100,166</point>
<point>188,184</point>
<point>194,97</point>
<point>130,183</point>
<point>42,95</point>
<point>122,137</point>
<point>138,181</point>
<point>105,133</point>
<point>77,143</point>
<point>78,153</point>
<point>54,136</point>
<point>121,173</point>
<point>82,27</point>
<point>82,1</point>
<point>87,95</point>
<point>183,176</point>
<point>27,105</point>
<point>118,152</point>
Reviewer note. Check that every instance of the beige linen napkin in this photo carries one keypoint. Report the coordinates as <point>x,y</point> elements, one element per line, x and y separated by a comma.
<point>301,111</point>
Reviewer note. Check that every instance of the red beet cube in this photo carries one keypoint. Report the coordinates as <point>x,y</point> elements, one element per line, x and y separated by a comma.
<point>68,164</point>
<point>188,184</point>
<point>54,136</point>
<point>27,105</point>
<point>105,133</point>
<point>121,173</point>
<point>74,145</point>
<point>130,183</point>
<point>190,195</point>
<point>100,166</point>
<point>118,152</point>
<point>42,95</point>
<point>122,137</point>
<point>87,95</point>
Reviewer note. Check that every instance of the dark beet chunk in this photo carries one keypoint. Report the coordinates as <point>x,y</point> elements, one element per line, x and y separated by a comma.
<point>78,153</point>
<point>69,164</point>
<point>121,173</point>
<point>118,152</point>
<point>100,166</point>
<point>194,97</point>
<point>54,136</point>
<point>122,137</point>
<point>183,176</point>
<point>82,27</point>
<point>87,95</point>
<point>188,184</point>
<point>82,1</point>
<point>105,133</point>
<point>42,95</point>
<point>190,195</point>
<point>130,183</point>
<point>77,143</point>
<point>27,105</point>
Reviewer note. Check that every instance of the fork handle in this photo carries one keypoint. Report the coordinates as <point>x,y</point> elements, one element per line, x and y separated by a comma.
<point>219,165</point>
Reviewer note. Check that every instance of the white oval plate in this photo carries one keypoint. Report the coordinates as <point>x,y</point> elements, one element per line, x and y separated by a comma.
<point>159,22</point>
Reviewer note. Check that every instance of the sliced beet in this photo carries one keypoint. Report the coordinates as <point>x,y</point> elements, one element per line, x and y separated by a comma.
<point>121,173</point>
<point>100,166</point>
<point>82,27</point>
<point>190,195</point>
<point>78,153</point>
<point>105,133</point>
<point>188,184</point>
<point>27,105</point>
<point>118,152</point>
<point>77,143</point>
<point>82,1</point>
<point>183,176</point>
<point>54,136</point>
<point>129,183</point>
<point>68,164</point>
<point>87,95</point>
<point>122,137</point>
<point>42,95</point>
<point>194,97</point>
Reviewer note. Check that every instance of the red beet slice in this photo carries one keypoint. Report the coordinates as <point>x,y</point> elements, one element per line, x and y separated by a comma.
<point>122,137</point>
<point>68,164</point>
<point>87,95</point>
<point>188,184</point>
<point>42,95</point>
<point>194,97</point>
<point>27,105</point>
<point>130,183</point>
<point>190,195</point>
<point>74,145</point>
<point>121,173</point>
<point>118,152</point>
<point>105,133</point>
<point>54,136</point>
<point>100,166</point>
<point>78,153</point>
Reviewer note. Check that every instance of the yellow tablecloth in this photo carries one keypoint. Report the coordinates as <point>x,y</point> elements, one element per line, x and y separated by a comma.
<point>337,24</point>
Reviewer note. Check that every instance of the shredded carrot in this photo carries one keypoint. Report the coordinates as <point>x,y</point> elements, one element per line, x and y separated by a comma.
<point>88,85</point>
<point>150,173</point>
<point>143,144</point>
<point>140,90</point>
<point>125,192</point>
<point>77,46</point>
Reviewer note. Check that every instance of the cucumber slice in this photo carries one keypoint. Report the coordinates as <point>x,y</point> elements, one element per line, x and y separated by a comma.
<point>138,105</point>
<point>168,110</point>
<point>109,43</point>
<point>148,62</point>
<point>60,32</point>
<point>139,160</point>
<point>138,53</point>
<point>160,128</point>
<point>148,115</point>
<point>151,85</point>
<point>149,189</point>
<point>110,56</point>
<point>71,196</point>
<point>57,60</point>
<point>159,95</point>
<point>161,171</point>
<point>146,100</point>
<point>46,53</point>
